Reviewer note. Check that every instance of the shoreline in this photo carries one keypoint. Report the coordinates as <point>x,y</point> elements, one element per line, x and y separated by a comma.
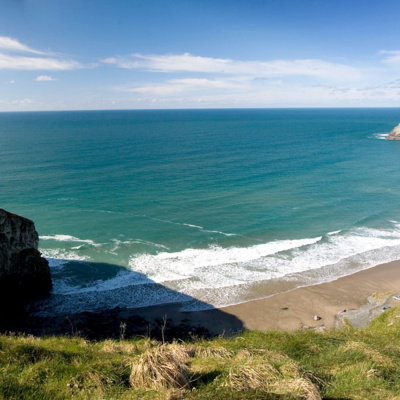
<point>296,308</point>
<point>288,311</point>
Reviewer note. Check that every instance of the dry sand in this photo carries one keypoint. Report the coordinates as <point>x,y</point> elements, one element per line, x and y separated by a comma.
<point>297,308</point>
<point>294,309</point>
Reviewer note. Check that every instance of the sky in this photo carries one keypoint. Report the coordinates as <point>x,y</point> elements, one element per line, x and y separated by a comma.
<point>174,54</point>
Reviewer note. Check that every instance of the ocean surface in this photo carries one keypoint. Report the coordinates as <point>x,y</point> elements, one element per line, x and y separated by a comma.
<point>205,207</point>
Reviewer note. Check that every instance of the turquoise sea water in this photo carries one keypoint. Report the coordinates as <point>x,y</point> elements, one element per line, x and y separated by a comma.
<point>221,206</point>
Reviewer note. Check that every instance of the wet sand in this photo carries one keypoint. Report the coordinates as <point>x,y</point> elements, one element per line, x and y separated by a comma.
<point>294,309</point>
<point>297,308</point>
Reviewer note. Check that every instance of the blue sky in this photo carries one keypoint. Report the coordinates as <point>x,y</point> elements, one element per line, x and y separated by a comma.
<point>129,54</point>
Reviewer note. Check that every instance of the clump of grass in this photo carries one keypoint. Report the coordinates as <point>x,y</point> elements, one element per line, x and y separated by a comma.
<point>212,352</point>
<point>302,388</point>
<point>351,363</point>
<point>121,347</point>
<point>253,374</point>
<point>259,373</point>
<point>381,297</point>
<point>162,367</point>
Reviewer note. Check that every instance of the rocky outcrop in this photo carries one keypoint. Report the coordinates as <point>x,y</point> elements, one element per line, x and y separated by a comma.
<point>24,274</point>
<point>395,134</point>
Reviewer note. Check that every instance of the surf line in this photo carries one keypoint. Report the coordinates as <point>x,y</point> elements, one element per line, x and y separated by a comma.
<point>201,228</point>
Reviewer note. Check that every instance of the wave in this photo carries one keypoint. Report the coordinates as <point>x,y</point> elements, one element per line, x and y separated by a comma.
<point>164,266</point>
<point>119,242</point>
<point>57,257</point>
<point>217,276</point>
<point>68,238</point>
<point>221,267</point>
<point>201,228</point>
<point>220,233</point>
<point>380,136</point>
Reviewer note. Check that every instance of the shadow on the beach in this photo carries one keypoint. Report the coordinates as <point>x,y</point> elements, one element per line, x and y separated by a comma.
<point>98,301</point>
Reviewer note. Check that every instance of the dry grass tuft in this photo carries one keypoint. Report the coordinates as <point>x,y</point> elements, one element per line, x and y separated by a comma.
<point>110,346</point>
<point>253,375</point>
<point>212,352</point>
<point>243,354</point>
<point>290,369</point>
<point>288,379</point>
<point>162,367</point>
<point>381,297</point>
<point>301,387</point>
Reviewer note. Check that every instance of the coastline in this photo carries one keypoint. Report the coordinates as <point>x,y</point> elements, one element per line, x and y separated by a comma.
<point>296,308</point>
<point>291,310</point>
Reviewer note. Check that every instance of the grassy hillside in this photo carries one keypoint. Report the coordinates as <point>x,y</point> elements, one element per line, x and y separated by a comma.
<point>347,364</point>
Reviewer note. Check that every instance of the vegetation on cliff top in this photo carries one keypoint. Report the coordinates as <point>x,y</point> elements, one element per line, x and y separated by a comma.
<point>347,364</point>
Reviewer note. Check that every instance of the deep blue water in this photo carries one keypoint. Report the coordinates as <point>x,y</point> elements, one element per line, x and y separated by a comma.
<point>220,205</point>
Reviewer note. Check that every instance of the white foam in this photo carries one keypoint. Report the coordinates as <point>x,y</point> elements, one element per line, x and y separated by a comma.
<point>192,226</point>
<point>61,255</point>
<point>138,241</point>
<point>218,276</point>
<point>68,238</point>
<point>380,136</point>
<point>334,232</point>
<point>219,232</point>
<point>188,263</point>
<point>217,267</point>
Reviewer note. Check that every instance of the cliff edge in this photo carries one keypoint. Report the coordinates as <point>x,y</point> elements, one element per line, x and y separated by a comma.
<point>395,134</point>
<point>24,273</point>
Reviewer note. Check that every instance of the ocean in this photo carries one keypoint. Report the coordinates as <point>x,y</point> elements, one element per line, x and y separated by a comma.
<point>204,207</point>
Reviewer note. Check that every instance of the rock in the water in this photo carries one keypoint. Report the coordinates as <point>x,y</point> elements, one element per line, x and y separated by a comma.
<point>24,274</point>
<point>395,134</point>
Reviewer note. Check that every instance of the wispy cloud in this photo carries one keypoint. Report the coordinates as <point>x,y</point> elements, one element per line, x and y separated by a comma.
<point>11,44</point>
<point>22,102</point>
<point>391,57</point>
<point>17,56</point>
<point>173,86</point>
<point>273,68</point>
<point>45,78</point>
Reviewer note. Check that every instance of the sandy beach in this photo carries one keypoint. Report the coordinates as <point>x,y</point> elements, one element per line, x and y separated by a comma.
<point>294,309</point>
<point>297,308</point>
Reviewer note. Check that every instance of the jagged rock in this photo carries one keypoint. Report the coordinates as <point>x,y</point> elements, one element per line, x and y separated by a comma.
<point>24,274</point>
<point>395,134</point>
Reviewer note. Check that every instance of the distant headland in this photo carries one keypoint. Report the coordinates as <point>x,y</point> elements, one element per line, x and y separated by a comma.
<point>395,134</point>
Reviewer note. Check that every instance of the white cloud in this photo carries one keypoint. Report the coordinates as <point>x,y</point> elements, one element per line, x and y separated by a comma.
<point>43,78</point>
<point>11,44</point>
<point>274,68</point>
<point>392,57</point>
<point>11,82</point>
<point>36,63</point>
<point>22,102</point>
<point>17,56</point>
<point>189,84</point>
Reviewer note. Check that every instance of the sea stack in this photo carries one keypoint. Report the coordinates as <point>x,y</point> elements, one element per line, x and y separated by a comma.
<point>24,273</point>
<point>395,134</point>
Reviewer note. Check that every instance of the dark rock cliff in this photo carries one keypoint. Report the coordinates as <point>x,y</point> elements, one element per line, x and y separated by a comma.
<point>24,274</point>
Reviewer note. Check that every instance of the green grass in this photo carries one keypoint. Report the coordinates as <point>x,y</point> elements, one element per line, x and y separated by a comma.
<point>346,364</point>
